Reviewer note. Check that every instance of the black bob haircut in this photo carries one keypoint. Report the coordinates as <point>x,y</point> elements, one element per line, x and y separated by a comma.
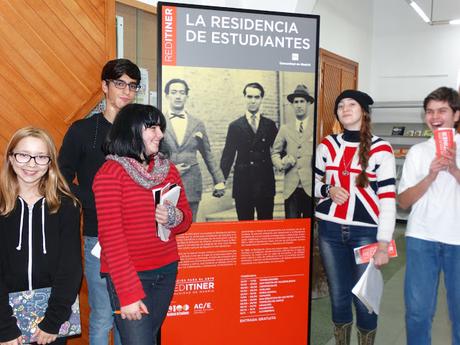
<point>125,136</point>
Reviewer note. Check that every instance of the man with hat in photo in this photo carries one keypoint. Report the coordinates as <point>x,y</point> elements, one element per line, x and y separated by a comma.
<point>292,153</point>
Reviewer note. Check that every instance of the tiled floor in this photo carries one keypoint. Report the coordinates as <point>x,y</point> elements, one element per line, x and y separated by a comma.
<point>391,324</point>
<point>391,321</point>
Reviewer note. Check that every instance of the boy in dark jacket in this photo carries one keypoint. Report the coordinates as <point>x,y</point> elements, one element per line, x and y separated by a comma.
<point>81,157</point>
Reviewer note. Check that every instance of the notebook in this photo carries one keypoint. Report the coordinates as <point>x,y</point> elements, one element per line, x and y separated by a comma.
<point>169,193</point>
<point>29,308</point>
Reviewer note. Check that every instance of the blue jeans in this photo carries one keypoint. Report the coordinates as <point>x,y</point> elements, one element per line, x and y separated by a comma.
<point>336,244</point>
<point>425,260</point>
<point>100,318</point>
<point>158,286</point>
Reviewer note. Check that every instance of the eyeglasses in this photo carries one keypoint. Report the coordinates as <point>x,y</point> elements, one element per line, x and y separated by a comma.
<point>120,84</point>
<point>25,158</point>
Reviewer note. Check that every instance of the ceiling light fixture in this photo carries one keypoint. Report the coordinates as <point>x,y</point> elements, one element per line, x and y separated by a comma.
<point>419,11</point>
<point>429,20</point>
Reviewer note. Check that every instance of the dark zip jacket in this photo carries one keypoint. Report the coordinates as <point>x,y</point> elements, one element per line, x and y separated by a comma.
<point>80,157</point>
<point>37,250</point>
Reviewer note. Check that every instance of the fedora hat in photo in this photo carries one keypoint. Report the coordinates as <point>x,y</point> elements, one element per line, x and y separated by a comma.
<point>301,91</point>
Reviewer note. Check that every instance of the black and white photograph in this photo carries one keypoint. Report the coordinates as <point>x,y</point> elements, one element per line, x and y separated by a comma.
<point>239,93</point>
<point>242,141</point>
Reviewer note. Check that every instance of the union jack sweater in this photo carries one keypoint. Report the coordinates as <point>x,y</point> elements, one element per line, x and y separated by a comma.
<point>337,164</point>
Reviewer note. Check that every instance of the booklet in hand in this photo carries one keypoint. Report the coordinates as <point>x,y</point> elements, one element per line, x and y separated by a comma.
<point>169,193</point>
<point>29,309</point>
<point>444,139</point>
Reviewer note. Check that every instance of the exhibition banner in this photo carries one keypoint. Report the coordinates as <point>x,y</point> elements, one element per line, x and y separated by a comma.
<point>241,283</point>
<point>238,89</point>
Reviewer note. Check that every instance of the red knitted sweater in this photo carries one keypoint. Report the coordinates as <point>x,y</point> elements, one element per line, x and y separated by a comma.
<point>127,229</point>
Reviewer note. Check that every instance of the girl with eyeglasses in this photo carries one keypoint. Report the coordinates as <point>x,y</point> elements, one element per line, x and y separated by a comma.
<point>39,234</point>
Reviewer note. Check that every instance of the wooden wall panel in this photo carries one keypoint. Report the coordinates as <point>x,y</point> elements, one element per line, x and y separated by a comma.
<point>349,79</point>
<point>330,77</point>
<point>52,53</point>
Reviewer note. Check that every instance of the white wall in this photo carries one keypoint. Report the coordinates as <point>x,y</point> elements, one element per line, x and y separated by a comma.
<point>411,58</point>
<point>346,30</point>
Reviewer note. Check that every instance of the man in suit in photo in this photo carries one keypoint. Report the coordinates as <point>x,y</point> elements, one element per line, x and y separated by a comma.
<point>185,136</point>
<point>250,138</point>
<point>292,153</point>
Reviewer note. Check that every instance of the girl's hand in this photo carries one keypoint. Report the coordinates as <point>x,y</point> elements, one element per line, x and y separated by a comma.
<point>161,214</point>
<point>17,341</point>
<point>44,338</point>
<point>381,256</point>
<point>133,311</point>
<point>338,195</point>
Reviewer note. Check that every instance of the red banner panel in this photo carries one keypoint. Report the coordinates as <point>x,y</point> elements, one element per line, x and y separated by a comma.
<point>168,42</point>
<point>241,283</point>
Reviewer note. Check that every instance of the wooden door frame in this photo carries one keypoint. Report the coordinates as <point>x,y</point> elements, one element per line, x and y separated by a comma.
<point>326,56</point>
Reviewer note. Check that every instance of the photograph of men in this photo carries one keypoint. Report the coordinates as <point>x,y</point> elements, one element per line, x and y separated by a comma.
<point>292,153</point>
<point>186,135</point>
<point>250,138</point>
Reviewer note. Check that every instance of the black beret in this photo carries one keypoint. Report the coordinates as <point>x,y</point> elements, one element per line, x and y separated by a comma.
<point>361,97</point>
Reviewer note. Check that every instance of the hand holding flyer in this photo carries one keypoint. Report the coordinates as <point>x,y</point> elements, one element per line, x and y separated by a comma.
<point>444,139</point>
<point>365,253</point>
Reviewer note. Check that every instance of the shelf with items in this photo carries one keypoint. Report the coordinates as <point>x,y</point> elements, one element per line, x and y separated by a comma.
<point>402,125</point>
<point>402,140</point>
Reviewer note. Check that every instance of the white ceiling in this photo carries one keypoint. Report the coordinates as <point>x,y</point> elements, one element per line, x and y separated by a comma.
<point>436,10</point>
<point>440,10</point>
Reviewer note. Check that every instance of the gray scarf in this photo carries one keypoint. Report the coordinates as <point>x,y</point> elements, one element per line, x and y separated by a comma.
<point>139,173</point>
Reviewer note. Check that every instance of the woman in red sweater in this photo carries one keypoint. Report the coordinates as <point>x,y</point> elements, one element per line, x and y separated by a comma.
<point>140,266</point>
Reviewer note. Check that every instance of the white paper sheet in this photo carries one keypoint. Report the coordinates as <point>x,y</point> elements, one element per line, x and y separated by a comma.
<point>369,288</point>
<point>96,251</point>
<point>172,196</point>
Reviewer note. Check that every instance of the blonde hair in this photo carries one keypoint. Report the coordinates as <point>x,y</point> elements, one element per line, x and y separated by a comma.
<point>52,185</point>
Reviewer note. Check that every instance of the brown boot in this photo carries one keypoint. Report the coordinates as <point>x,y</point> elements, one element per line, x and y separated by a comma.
<point>342,333</point>
<point>366,337</point>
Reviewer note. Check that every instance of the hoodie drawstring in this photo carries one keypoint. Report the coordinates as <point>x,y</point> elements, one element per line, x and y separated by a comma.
<point>43,226</point>
<point>21,223</point>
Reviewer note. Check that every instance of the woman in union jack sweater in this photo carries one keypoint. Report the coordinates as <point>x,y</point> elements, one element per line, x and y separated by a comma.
<point>355,181</point>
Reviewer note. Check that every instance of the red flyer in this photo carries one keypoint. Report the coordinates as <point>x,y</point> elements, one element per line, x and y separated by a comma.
<point>364,254</point>
<point>444,139</point>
